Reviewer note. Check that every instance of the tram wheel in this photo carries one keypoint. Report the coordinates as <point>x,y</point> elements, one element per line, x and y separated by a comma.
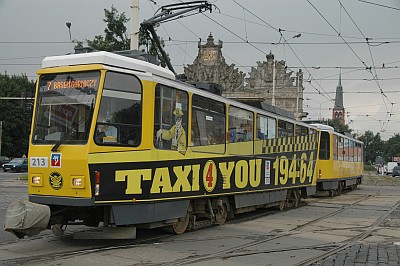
<point>181,225</point>
<point>221,214</point>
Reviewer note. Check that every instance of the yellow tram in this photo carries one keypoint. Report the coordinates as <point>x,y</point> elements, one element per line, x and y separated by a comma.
<point>118,142</point>
<point>340,161</point>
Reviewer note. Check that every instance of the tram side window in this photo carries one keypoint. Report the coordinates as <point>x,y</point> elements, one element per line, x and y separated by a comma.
<point>351,150</point>
<point>170,119</point>
<point>335,147</point>
<point>240,125</point>
<point>324,146</point>
<point>285,129</point>
<point>360,152</point>
<point>346,150</point>
<point>301,130</point>
<point>208,122</point>
<point>266,127</point>
<point>341,149</point>
<point>120,114</point>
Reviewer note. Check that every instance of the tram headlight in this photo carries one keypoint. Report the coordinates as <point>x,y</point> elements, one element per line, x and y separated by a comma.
<point>77,181</point>
<point>36,180</point>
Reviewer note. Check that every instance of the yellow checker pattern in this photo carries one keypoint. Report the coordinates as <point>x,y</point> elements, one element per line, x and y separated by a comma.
<point>291,144</point>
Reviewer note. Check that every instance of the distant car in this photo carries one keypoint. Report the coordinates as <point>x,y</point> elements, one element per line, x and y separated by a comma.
<point>17,165</point>
<point>3,160</point>
<point>390,166</point>
<point>396,171</point>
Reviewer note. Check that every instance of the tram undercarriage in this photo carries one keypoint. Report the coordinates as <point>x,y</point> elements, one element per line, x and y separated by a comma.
<point>177,216</point>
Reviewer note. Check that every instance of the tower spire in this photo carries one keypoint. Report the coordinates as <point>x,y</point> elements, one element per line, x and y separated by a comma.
<point>338,110</point>
<point>339,93</point>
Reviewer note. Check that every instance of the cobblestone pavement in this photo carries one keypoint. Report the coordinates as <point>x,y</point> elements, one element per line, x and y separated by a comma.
<point>365,254</point>
<point>371,253</point>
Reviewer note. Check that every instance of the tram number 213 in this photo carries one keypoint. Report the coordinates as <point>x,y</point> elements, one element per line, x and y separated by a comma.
<point>296,168</point>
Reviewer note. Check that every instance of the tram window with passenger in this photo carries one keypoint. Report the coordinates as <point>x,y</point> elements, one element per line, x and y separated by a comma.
<point>240,125</point>
<point>266,127</point>
<point>208,121</point>
<point>120,113</point>
<point>170,118</point>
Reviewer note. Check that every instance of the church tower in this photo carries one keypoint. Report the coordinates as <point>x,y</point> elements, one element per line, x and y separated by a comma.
<point>338,110</point>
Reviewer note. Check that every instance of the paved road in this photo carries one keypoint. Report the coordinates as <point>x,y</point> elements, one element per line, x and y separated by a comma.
<point>354,225</point>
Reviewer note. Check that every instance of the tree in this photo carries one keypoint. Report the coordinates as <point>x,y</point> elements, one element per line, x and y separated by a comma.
<point>338,126</point>
<point>373,146</point>
<point>16,114</point>
<point>116,38</point>
<point>392,148</point>
<point>115,34</point>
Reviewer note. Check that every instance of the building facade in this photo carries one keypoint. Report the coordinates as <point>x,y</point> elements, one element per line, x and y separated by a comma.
<point>269,82</point>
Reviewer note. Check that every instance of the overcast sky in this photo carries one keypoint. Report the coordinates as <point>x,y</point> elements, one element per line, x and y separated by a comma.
<point>333,40</point>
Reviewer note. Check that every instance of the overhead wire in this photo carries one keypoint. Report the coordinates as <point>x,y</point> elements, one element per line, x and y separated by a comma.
<point>375,76</point>
<point>379,5</point>
<point>359,58</point>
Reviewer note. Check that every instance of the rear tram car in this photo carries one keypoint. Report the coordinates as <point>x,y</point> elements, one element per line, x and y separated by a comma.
<point>340,161</point>
<point>120,143</point>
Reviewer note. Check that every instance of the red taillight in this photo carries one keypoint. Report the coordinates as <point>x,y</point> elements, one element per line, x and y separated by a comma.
<point>97,184</point>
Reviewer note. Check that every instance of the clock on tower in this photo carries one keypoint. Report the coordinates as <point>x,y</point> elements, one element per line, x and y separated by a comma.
<point>208,55</point>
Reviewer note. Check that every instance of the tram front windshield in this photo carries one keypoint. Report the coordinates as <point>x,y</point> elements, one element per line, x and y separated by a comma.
<point>64,107</point>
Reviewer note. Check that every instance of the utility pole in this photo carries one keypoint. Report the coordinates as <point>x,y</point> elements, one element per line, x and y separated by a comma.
<point>1,133</point>
<point>135,25</point>
<point>297,97</point>
<point>273,83</point>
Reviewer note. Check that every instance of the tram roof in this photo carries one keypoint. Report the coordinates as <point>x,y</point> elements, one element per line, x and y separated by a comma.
<point>106,58</point>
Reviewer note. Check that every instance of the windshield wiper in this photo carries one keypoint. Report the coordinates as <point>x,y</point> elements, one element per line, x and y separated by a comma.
<point>72,130</point>
<point>66,135</point>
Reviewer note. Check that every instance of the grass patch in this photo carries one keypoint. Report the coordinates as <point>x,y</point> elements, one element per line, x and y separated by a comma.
<point>24,177</point>
<point>369,168</point>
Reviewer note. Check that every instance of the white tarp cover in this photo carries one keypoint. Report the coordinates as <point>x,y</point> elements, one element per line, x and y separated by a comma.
<point>26,218</point>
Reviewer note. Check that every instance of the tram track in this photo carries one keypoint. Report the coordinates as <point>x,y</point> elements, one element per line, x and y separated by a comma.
<point>236,251</point>
<point>332,247</point>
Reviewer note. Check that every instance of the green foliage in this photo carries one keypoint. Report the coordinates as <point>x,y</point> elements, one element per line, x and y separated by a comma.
<point>15,114</point>
<point>368,167</point>
<point>392,148</point>
<point>337,125</point>
<point>373,146</point>
<point>115,38</point>
<point>151,47</point>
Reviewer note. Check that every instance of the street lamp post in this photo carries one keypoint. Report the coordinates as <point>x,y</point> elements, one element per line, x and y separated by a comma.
<point>320,106</point>
<point>69,29</point>
<point>274,69</point>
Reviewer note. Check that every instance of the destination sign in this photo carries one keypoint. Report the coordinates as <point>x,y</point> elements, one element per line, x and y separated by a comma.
<point>72,84</point>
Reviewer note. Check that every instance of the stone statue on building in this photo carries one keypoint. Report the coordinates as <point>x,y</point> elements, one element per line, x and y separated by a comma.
<point>288,90</point>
